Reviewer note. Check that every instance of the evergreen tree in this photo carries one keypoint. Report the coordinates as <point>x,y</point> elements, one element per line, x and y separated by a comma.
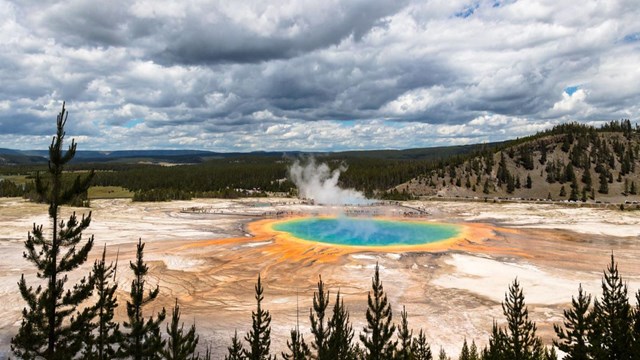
<point>521,340</point>
<point>51,326</point>
<point>405,337</point>
<point>633,190</point>
<point>586,179</point>
<point>473,351</point>
<point>421,348</point>
<point>340,333</point>
<point>235,351</point>
<point>510,184</point>
<point>143,341</point>
<point>636,328</point>
<point>566,144</point>
<point>563,192</point>
<point>577,324</point>
<point>529,182</point>
<point>464,353</point>
<point>107,337</point>
<point>569,174</point>
<point>259,337</point>
<point>316,316</point>
<point>180,345</point>
<point>611,337</point>
<point>442,355</point>
<point>485,187</point>
<point>497,349</point>
<point>503,174</point>
<point>298,349</point>
<point>574,191</point>
<point>604,183</point>
<point>379,330</point>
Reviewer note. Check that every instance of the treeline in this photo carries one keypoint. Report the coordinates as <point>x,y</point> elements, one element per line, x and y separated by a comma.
<point>598,157</point>
<point>605,328</point>
<point>584,158</point>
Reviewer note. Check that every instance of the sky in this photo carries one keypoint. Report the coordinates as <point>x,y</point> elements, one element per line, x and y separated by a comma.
<point>312,75</point>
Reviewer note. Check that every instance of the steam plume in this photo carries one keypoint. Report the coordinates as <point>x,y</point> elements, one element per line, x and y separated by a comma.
<point>318,182</point>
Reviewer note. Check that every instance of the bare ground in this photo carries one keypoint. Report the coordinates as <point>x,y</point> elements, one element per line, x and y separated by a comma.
<point>209,262</point>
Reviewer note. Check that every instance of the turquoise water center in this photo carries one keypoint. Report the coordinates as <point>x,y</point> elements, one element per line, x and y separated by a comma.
<point>367,232</point>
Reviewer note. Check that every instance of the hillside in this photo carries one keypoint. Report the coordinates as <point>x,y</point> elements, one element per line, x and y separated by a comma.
<point>569,162</point>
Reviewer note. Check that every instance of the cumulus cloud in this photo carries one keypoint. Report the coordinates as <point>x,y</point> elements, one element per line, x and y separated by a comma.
<point>312,75</point>
<point>570,102</point>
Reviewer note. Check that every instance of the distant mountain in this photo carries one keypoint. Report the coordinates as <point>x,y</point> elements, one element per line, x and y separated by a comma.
<point>21,157</point>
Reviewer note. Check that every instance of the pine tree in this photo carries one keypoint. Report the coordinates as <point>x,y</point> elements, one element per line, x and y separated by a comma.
<point>521,340</point>
<point>405,337</point>
<point>51,326</point>
<point>503,174</point>
<point>611,337</point>
<point>259,337</point>
<point>107,337</point>
<point>510,184</point>
<point>473,351</point>
<point>180,345</point>
<point>636,328</point>
<point>586,179</point>
<point>421,348</point>
<point>563,192</point>
<point>379,330</point>
<point>569,174</point>
<point>298,349</point>
<point>143,341</point>
<point>340,333</point>
<point>464,353</point>
<point>235,351</point>
<point>485,187</point>
<point>497,349</point>
<point>577,324</point>
<point>529,183</point>
<point>442,355</point>
<point>318,327</point>
<point>574,191</point>
<point>604,183</point>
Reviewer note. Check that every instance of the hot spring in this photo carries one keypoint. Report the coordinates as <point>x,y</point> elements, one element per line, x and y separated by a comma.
<point>367,232</point>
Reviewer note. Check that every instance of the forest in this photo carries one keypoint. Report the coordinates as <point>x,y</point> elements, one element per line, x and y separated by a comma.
<point>570,161</point>
<point>76,321</point>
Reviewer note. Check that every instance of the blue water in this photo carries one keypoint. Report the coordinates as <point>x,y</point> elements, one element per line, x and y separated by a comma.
<point>367,232</point>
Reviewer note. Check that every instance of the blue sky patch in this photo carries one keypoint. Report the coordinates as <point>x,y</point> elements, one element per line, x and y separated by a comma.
<point>633,37</point>
<point>467,11</point>
<point>348,123</point>
<point>571,89</point>
<point>133,122</point>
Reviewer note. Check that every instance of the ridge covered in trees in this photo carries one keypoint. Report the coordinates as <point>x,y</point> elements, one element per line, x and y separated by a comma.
<point>589,163</point>
<point>570,162</point>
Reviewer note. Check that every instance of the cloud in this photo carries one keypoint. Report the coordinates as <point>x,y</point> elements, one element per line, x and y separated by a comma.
<point>571,100</point>
<point>312,75</point>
